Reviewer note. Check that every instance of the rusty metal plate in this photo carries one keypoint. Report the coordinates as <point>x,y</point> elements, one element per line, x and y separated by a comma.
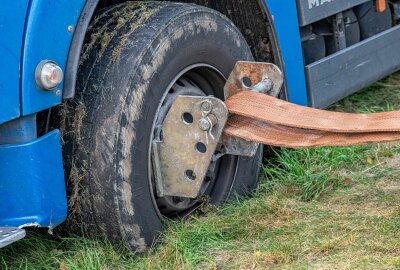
<point>255,72</point>
<point>265,78</point>
<point>190,134</point>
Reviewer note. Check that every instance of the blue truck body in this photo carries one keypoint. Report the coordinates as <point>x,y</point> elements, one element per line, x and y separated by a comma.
<point>12,24</point>
<point>286,25</point>
<point>32,189</point>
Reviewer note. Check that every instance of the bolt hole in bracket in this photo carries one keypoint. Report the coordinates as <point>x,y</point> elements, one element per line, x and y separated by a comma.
<point>260,77</point>
<point>193,129</point>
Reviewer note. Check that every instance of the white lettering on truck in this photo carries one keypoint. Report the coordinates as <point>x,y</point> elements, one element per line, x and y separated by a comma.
<point>317,3</point>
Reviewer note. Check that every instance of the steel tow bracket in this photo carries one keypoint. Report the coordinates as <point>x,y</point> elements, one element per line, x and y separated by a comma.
<point>192,130</point>
<point>190,135</point>
<point>260,77</point>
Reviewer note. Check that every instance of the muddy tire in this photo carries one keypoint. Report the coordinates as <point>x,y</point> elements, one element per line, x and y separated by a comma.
<point>134,52</point>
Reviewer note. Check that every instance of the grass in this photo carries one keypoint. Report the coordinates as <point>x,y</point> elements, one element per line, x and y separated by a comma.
<point>324,208</point>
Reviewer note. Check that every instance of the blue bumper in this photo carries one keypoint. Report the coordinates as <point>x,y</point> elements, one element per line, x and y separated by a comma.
<point>32,187</point>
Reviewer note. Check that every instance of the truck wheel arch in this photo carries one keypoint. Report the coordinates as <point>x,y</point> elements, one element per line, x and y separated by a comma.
<point>74,54</point>
<point>91,6</point>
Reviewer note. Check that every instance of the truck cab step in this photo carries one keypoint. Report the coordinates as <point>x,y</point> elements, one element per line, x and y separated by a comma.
<point>10,235</point>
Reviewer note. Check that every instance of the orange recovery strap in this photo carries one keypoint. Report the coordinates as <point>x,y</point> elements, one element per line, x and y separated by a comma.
<point>268,120</point>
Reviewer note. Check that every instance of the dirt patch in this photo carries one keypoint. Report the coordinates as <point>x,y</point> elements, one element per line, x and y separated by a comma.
<point>389,185</point>
<point>393,162</point>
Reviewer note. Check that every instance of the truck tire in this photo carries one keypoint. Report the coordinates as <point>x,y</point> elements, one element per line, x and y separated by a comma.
<point>137,55</point>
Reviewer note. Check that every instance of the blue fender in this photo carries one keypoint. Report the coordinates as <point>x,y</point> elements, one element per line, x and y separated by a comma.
<point>32,188</point>
<point>49,30</point>
<point>285,22</point>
